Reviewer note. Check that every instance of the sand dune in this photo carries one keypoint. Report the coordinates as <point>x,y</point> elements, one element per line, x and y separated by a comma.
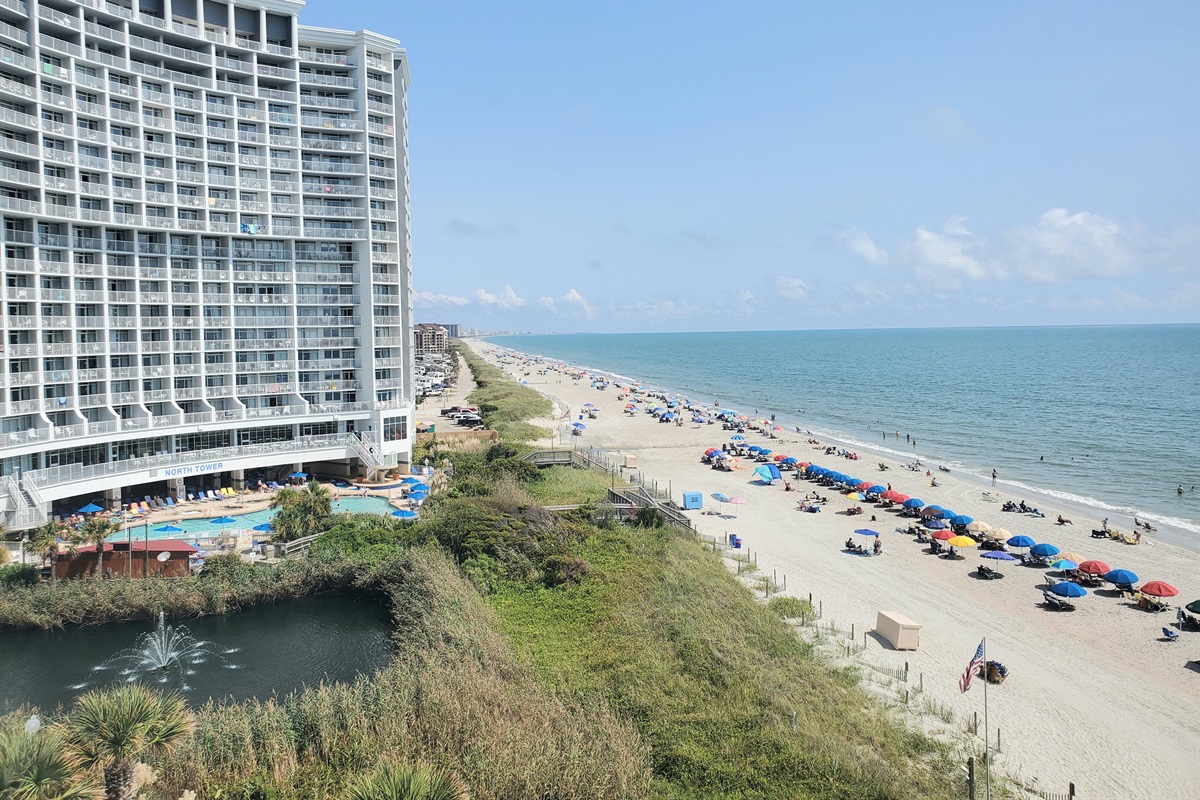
<point>1094,696</point>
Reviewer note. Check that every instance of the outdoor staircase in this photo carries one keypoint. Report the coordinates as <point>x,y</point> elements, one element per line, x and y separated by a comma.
<point>26,507</point>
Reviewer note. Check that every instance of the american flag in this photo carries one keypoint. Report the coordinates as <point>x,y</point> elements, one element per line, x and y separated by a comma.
<point>964,682</point>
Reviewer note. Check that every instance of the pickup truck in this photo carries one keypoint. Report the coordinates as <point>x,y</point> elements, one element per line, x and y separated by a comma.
<point>446,412</point>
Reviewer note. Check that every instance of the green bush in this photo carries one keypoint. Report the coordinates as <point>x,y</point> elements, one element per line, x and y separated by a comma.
<point>20,574</point>
<point>791,607</point>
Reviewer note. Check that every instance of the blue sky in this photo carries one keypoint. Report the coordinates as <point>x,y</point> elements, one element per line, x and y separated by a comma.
<point>619,166</point>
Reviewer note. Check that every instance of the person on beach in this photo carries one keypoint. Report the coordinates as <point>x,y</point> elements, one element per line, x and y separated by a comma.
<point>993,477</point>
<point>1103,525</point>
<point>1179,490</point>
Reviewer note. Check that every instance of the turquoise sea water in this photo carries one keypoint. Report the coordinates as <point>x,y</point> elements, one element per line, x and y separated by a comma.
<point>1107,417</point>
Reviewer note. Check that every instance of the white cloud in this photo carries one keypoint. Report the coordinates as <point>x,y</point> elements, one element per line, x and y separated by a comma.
<point>1126,300</point>
<point>791,287</point>
<point>944,124</point>
<point>747,305</point>
<point>434,299</point>
<point>1062,246</point>
<point>547,302</point>
<point>575,299</point>
<point>655,309</point>
<point>946,258</point>
<point>861,243</point>
<point>506,299</point>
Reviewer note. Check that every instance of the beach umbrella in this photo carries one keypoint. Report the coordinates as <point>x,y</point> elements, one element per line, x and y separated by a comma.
<point>901,498</point>
<point>978,526</point>
<point>962,541</point>
<point>862,485</point>
<point>961,519</point>
<point>589,405</point>
<point>754,448</point>
<point>805,464</point>
<point>737,437</point>
<point>854,496</point>
<point>1021,541</point>
<point>1159,589</point>
<point>1068,589</point>
<point>1072,556</point>
<point>169,529</point>
<point>942,535</point>
<point>930,512</point>
<point>1044,550</point>
<point>999,555</point>
<point>737,501</point>
<point>877,489</point>
<point>1065,564</point>
<point>866,532</point>
<point>947,514</point>
<point>1094,568</point>
<point>720,497</point>
<point>1000,533</point>
<point>852,482</point>
<point>934,524</point>
<point>579,426</point>
<point>403,513</point>
<point>1121,577</point>
<point>1193,606</point>
<point>788,461</point>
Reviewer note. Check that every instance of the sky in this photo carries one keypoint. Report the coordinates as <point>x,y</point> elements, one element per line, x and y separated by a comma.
<point>670,166</point>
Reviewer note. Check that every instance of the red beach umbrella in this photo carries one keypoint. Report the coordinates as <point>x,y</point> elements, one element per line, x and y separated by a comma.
<point>780,457</point>
<point>1094,568</point>
<point>864,485</point>
<point>899,498</point>
<point>1159,589</point>
<point>945,535</point>
<point>804,464</point>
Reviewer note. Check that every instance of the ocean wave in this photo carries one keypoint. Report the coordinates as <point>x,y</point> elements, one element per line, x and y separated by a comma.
<point>1096,503</point>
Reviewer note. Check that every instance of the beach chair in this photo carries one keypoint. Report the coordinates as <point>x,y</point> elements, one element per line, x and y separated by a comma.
<point>1170,635</point>
<point>212,495</point>
<point>169,502</point>
<point>149,502</point>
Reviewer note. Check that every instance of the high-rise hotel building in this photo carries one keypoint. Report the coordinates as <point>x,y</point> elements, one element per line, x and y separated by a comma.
<point>205,249</point>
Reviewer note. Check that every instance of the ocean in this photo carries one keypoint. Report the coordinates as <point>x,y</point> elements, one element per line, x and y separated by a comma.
<point>1106,418</point>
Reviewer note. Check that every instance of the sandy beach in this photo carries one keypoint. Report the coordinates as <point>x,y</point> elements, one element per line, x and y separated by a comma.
<point>1095,697</point>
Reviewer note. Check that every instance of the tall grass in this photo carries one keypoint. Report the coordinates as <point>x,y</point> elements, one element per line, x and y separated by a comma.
<point>712,679</point>
<point>566,485</point>
<point>505,405</point>
<point>455,695</point>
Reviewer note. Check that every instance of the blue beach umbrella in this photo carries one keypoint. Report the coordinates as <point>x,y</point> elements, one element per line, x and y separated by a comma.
<point>999,555</point>
<point>961,519</point>
<point>169,529</point>
<point>789,461</point>
<point>1121,577</point>
<point>1064,564</point>
<point>1068,589</point>
<point>913,502</point>
<point>720,497</point>
<point>737,437</point>
<point>935,524</point>
<point>90,508</point>
<point>1044,550</point>
<point>755,448</point>
<point>579,426</point>
<point>404,513</point>
<point>946,513</point>
<point>877,489</point>
<point>1021,541</point>
<point>867,532</point>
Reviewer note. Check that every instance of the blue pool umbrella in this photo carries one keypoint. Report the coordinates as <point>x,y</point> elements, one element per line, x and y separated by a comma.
<point>417,487</point>
<point>961,519</point>
<point>867,532</point>
<point>169,529</point>
<point>1021,541</point>
<point>999,555</point>
<point>266,526</point>
<point>410,480</point>
<point>90,508</point>
<point>1068,589</point>
<point>913,502</point>
<point>298,475</point>
<point>417,495</point>
<point>1044,550</point>
<point>876,489</point>
<point>403,513</point>
<point>1121,577</point>
<point>223,521</point>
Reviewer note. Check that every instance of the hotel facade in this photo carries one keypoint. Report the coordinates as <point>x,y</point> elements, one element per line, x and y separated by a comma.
<point>206,256</point>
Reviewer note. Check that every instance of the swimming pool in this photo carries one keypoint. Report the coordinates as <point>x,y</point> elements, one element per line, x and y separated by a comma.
<point>203,528</point>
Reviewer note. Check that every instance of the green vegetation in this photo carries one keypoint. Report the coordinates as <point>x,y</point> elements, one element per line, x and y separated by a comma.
<point>504,404</point>
<point>538,655</point>
<point>302,512</point>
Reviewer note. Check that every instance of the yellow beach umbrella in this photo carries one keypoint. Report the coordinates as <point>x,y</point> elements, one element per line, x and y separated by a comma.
<point>854,496</point>
<point>961,541</point>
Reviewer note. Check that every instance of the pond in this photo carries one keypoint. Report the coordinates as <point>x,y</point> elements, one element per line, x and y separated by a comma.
<point>264,650</point>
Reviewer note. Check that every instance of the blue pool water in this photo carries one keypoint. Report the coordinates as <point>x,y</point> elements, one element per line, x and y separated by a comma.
<point>204,527</point>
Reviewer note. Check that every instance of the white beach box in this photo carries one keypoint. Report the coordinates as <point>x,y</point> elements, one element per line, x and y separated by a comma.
<point>902,632</point>
<point>630,461</point>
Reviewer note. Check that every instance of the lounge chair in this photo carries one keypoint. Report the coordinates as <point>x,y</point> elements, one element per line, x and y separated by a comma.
<point>1170,635</point>
<point>149,502</point>
<point>272,485</point>
<point>146,507</point>
<point>212,495</point>
<point>1056,603</point>
<point>988,574</point>
<point>169,502</point>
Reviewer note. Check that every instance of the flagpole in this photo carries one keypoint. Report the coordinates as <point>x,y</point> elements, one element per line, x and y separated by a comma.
<point>987,745</point>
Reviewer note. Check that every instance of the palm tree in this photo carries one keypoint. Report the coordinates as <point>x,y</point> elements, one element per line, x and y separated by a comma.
<point>302,512</point>
<point>45,541</point>
<point>95,531</point>
<point>112,728</point>
<point>36,765</point>
<point>409,782</point>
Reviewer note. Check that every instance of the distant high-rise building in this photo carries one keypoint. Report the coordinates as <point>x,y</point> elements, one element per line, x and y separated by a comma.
<point>451,329</point>
<point>206,251</point>
<point>429,338</point>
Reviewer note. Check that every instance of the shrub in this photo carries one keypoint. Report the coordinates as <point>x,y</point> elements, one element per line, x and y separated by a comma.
<point>647,517</point>
<point>791,607</point>
<point>20,574</point>
<point>564,569</point>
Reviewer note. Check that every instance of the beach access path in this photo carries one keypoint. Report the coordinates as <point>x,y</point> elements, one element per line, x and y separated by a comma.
<point>1094,696</point>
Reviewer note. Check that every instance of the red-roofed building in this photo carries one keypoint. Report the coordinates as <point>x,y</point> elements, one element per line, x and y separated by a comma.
<point>119,557</point>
